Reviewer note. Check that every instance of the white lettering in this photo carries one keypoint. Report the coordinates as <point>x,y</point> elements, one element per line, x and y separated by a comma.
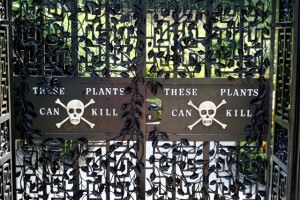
<point>174,112</point>
<point>255,92</point>
<point>167,91</point>
<point>242,113</point>
<point>114,112</point>
<point>228,113</point>
<point>173,92</point>
<point>121,91</point>
<point>42,111</point>
<point>49,111</point>
<point>181,113</point>
<point>223,91</point>
<point>238,113</point>
<point>239,92</point>
<point>104,112</point>
<point>243,92</point>
<point>108,91</point>
<point>55,90</point>
<point>194,93</point>
<point>188,92</point>
<point>102,91</point>
<point>87,91</point>
<point>235,93</point>
<point>249,114</point>
<point>94,111</point>
<point>62,91</point>
<point>181,91</point>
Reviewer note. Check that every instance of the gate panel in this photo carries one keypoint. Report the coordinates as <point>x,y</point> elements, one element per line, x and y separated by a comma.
<point>137,44</point>
<point>6,162</point>
<point>283,132</point>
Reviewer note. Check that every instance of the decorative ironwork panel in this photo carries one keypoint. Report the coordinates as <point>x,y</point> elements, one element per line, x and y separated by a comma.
<point>281,143</point>
<point>5,181</point>
<point>279,183</point>
<point>90,174</point>
<point>184,170</point>
<point>197,39</point>
<point>286,10</point>
<point>283,75</point>
<point>85,38</point>
<point>44,176</point>
<point>5,115</point>
<point>194,39</point>
<point>283,54</point>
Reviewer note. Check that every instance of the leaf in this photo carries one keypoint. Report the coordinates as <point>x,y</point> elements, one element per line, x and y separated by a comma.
<point>152,191</point>
<point>151,159</point>
<point>85,169</point>
<point>124,74</point>
<point>160,73</point>
<point>212,152</point>
<point>164,136</point>
<point>199,162</point>
<point>96,193</point>
<point>194,176</point>
<point>185,142</point>
<point>166,146</point>
<point>153,69</point>
<point>182,74</point>
<point>217,72</point>
<point>167,76</point>
<point>180,191</point>
<point>199,152</point>
<point>152,176</point>
<point>213,182</point>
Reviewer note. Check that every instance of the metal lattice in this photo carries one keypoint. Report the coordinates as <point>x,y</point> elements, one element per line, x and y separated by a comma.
<point>5,114</point>
<point>282,131</point>
<point>154,39</point>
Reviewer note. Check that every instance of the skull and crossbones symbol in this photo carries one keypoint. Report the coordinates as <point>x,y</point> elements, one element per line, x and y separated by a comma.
<point>207,111</point>
<point>75,109</point>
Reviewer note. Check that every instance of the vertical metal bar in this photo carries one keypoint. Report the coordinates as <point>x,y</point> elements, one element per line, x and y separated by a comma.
<point>107,30</point>
<point>75,65</point>
<point>11,104</point>
<point>241,39</point>
<point>74,37</point>
<point>271,101</point>
<point>141,44</point>
<point>209,14</point>
<point>206,148</point>
<point>107,175</point>
<point>294,150</point>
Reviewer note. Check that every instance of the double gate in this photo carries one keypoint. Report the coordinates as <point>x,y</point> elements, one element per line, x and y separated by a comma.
<point>134,72</point>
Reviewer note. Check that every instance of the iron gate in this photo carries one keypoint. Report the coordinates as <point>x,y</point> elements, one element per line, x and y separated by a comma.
<point>145,46</point>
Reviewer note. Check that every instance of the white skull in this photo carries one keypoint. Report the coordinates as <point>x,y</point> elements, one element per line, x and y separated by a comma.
<point>207,111</point>
<point>75,110</point>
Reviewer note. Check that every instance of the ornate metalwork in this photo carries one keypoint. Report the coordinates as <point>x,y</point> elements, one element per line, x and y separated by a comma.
<point>5,181</point>
<point>207,38</point>
<point>5,115</point>
<point>283,75</point>
<point>279,183</point>
<point>282,132</point>
<point>286,10</point>
<point>281,143</point>
<point>110,39</point>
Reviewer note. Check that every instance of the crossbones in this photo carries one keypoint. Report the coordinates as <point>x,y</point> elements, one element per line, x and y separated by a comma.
<point>75,109</point>
<point>207,111</point>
